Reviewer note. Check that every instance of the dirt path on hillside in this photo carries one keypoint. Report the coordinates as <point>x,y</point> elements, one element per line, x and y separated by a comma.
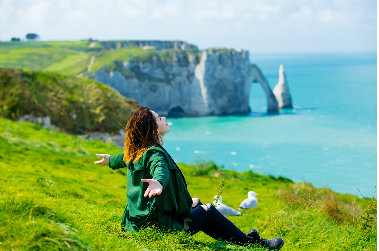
<point>91,63</point>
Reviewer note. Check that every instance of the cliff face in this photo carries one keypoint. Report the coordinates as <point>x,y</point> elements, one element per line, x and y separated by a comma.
<point>225,79</point>
<point>184,83</point>
<point>159,45</point>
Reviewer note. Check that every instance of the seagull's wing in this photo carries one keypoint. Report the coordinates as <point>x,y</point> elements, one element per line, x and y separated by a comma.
<point>226,210</point>
<point>248,203</point>
<point>244,204</point>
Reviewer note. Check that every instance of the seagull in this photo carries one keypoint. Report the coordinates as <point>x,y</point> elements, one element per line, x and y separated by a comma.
<point>250,202</point>
<point>224,209</point>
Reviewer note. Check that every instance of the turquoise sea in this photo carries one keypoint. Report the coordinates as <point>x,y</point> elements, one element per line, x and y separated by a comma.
<point>328,139</point>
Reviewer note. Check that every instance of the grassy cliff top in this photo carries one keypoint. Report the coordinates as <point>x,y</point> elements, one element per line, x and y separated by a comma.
<point>73,104</point>
<point>52,197</point>
<point>39,55</point>
<point>79,57</point>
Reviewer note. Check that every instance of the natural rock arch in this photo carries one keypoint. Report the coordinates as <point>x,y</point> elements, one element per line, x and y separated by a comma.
<point>176,112</point>
<point>272,103</point>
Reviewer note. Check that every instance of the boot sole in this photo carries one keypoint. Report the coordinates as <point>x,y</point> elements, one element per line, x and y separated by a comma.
<point>281,245</point>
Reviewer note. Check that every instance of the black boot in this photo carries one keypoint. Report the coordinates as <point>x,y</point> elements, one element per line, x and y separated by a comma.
<point>271,244</point>
<point>254,233</point>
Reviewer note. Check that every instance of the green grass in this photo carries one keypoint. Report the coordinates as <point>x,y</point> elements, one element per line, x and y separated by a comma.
<point>105,58</point>
<point>38,55</point>
<point>52,197</point>
<point>69,64</point>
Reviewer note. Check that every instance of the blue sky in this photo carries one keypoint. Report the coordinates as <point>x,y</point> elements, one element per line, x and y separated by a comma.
<point>255,25</point>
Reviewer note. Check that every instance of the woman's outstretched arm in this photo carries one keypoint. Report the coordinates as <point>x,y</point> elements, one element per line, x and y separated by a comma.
<point>104,161</point>
<point>159,173</point>
<point>114,162</point>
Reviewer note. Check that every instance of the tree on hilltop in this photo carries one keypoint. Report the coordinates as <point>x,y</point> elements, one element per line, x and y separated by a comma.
<point>31,37</point>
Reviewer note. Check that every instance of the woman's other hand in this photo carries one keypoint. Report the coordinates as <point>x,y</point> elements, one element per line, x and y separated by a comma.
<point>104,161</point>
<point>154,188</point>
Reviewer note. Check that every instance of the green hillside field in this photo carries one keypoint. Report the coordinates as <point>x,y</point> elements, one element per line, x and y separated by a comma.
<point>77,58</point>
<point>40,55</point>
<point>52,197</point>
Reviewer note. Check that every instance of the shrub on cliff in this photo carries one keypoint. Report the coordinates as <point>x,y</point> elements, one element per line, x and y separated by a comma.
<point>31,36</point>
<point>73,104</point>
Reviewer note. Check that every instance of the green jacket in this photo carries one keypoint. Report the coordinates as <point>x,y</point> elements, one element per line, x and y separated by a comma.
<point>174,203</point>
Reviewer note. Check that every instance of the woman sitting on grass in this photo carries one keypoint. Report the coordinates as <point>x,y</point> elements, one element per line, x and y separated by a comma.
<point>157,191</point>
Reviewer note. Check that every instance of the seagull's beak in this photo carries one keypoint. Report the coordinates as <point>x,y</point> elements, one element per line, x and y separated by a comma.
<point>256,194</point>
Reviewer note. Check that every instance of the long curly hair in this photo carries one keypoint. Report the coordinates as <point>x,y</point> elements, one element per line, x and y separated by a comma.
<point>141,133</point>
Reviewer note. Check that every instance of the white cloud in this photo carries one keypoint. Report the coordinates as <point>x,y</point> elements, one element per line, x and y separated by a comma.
<point>168,11</point>
<point>326,16</point>
<point>79,18</point>
<point>304,12</point>
<point>246,15</point>
<point>6,10</point>
<point>34,14</point>
<point>265,7</point>
<point>65,4</point>
<point>227,14</point>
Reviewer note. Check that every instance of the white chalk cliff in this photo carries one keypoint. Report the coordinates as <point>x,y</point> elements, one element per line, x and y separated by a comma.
<point>211,82</point>
<point>282,92</point>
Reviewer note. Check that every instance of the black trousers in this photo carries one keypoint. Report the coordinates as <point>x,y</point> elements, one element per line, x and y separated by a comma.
<point>216,225</point>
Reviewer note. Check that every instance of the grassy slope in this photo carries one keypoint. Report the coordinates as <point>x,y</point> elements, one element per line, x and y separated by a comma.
<point>52,197</point>
<point>39,55</point>
<point>73,104</point>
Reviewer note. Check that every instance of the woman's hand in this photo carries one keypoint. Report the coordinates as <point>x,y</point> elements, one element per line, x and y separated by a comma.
<point>104,161</point>
<point>195,202</point>
<point>154,188</point>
